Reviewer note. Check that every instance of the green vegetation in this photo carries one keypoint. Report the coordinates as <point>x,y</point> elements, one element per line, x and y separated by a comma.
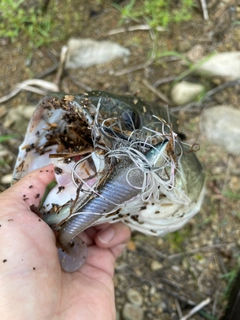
<point>15,20</point>
<point>35,27</point>
<point>231,195</point>
<point>6,138</point>
<point>177,239</point>
<point>157,13</point>
<point>230,278</point>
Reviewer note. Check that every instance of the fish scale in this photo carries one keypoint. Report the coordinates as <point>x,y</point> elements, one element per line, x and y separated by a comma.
<point>117,158</point>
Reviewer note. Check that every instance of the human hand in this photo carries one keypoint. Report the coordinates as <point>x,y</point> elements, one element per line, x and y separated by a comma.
<point>32,284</point>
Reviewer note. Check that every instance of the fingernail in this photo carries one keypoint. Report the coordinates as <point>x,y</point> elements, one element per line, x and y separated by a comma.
<point>106,235</point>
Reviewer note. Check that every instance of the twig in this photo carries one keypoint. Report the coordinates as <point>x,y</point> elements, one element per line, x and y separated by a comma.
<point>221,264</point>
<point>227,173</point>
<point>61,65</point>
<point>207,248</point>
<point>27,85</point>
<point>204,9</point>
<point>197,308</point>
<point>174,285</point>
<point>154,253</point>
<point>31,89</point>
<point>143,65</point>
<point>179,297</point>
<point>133,28</point>
<point>223,86</point>
<point>178,307</point>
<point>222,9</point>
<point>199,281</point>
<point>157,92</point>
<point>132,69</point>
<point>47,72</point>
<point>3,111</point>
<point>218,193</point>
<point>214,308</point>
<point>207,95</point>
<point>163,80</point>
<point>80,84</point>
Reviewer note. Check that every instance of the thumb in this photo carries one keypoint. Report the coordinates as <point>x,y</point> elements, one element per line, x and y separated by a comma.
<point>27,191</point>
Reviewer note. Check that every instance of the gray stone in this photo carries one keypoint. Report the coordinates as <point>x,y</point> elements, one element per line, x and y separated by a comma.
<point>7,179</point>
<point>224,64</point>
<point>18,118</point>
<point>184,45</point>
<point>84,53</point>
<point>132,312</point>
<point>185,92</point>
<point>134,297</point>
<point>221,125</point>
<point>196,53</point>
<point>155,265</point>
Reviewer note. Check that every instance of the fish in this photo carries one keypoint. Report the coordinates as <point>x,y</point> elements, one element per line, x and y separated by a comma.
<point>116,158</point>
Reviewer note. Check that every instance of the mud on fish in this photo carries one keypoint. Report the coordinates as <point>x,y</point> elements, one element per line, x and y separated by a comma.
<point>115,158</point>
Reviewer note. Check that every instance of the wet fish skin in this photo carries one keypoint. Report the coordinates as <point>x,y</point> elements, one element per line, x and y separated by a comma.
<point>189,177</point>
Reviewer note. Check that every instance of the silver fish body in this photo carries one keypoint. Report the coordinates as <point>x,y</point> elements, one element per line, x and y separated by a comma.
<point>116,159</point>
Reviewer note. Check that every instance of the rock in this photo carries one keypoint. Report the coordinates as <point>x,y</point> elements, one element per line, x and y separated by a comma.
<point>3,153</point>
<point>84,53</point>
<point>184,45</point>
<point>152,291</point>
<point>131,245</point>
<point>225,64</point>
<point>221,126</point>
<point>132,312</point>
<point>134,297</point>
<point>160,242</point>
<point>185,92</point>
<point>7,179</point>
<point>195,54</point>
<point>155,265</point>
<point>19,117</point>
<point>176,268</point>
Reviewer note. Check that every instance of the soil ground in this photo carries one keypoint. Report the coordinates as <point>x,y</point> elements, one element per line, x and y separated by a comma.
<point>177,272</point>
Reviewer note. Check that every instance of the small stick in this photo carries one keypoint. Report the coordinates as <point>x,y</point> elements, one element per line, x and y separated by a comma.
<point>204,9</point>
<point>79,83</point>
<point>157,92</point>
<point>163,80</point>
<point>214,308</point>
<point>133,28</point>
<point>201,249</point>
<point>46,72</point>
<point>222,9</point>
<point>61,65</point>
<point>197,308</point>
<point>132,69</point>
<point>179,297</point>
<point>27,85</point>
<point>207,95</point>
<point>178,307</point>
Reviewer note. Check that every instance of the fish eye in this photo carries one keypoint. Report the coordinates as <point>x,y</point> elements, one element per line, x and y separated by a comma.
<point>131,120</point>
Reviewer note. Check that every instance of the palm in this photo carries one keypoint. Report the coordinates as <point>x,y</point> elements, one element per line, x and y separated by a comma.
<point>32,282</point>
